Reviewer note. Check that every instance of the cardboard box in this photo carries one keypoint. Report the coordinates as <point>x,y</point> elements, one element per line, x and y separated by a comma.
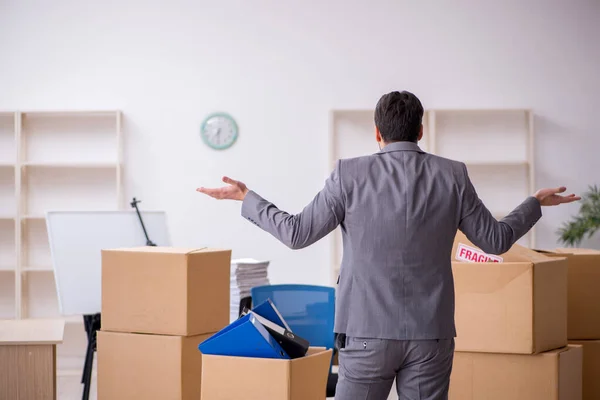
<point>584,293</point>
<point>165,290</point>
<point>142,366</point>
<point>517,304</point>
<point>554,375</point>
<point>591,368</point>
<point>226,378</point>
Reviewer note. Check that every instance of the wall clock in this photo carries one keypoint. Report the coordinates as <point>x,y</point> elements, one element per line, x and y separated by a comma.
<point>219,131</point>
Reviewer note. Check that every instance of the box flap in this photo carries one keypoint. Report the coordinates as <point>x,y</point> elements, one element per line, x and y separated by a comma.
<point>564,250</point>
<point>546,252</point>
<point>555,352</point>
<point>570,372</point>
<point>253,378</point>
<point>309,375</point>
<point>32,331</point>
<point>207,250</point>
<point>315,350</point>
<point>550,304</point>
<point>165,250</point>
<point>464,250</point>
<point>494,309</point>
<point>198,250</point>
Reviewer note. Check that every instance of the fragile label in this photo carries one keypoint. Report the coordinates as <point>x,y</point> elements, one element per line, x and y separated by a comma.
<point>471,254</point>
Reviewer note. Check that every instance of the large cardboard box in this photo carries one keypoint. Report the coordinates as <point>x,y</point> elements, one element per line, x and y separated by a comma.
<point>142,366</point>
<point>591,368</point>
<point>226,378</point>
<point>165,290</point>
<point>554,375</point>
<point>584,293</point>
<point>516,303</point>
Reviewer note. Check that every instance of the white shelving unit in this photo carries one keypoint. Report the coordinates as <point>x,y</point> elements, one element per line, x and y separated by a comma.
<point>497,145</point>
<point>51,160</point>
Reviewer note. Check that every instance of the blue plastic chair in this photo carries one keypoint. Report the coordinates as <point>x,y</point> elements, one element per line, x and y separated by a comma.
<point>308,310</point>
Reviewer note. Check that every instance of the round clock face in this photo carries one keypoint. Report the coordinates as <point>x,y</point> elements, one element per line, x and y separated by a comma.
<point>219,131</point>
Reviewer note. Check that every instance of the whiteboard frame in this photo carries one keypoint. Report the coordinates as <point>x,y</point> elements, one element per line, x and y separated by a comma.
<point>88,213</point>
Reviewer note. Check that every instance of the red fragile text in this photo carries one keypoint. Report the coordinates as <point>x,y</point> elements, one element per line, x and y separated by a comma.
<point>471,254</point>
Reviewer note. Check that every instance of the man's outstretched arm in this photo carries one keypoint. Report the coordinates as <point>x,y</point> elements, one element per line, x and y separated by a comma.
<point>497,237</point>
<point>324,213</point>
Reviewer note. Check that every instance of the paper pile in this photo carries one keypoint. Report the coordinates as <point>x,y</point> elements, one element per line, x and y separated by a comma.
<point>246,273</point>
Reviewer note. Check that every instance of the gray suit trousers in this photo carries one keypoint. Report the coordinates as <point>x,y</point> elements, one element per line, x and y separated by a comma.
<point>421,368</point>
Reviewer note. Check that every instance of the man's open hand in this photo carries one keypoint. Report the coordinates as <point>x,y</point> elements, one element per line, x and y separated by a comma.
<point>551,197</point>
<point>234,190</point>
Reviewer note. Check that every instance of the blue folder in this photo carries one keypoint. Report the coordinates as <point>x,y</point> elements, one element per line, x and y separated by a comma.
<point>245,337</point>
<point>267,310</point>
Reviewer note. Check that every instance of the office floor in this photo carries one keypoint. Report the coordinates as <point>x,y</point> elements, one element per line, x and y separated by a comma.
<point>70,388</point>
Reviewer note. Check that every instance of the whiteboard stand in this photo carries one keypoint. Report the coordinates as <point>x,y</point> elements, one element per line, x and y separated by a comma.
<point>134,204</point>
<point>77,239</point>
<point>91,323</point>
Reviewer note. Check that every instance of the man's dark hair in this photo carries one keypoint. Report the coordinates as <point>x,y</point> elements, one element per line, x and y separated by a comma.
<point>399,116</point>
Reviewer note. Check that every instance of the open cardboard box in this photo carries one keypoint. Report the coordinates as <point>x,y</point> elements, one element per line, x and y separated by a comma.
<point>305,378</point>
<point>516,303</point>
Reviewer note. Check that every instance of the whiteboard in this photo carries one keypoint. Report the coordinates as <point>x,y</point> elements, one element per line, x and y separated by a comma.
<point>76,240</point>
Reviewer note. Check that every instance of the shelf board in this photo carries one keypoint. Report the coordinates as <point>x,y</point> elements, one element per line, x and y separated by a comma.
<point>6,217</point>
<point>79,165</point>
<point>38,268</point>
<point>6,164</point>
<point>496,163</point>
<point>69,113</point>
<point>34,217</point>
<point>479,110</point>
<point>6,268</point>
<point>353,111</point>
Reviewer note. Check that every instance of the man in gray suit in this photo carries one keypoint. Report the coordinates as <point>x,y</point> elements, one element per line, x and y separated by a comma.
<point>399,211</point>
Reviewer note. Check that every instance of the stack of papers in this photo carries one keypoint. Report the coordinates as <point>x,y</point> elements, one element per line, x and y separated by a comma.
<point>246,273</point>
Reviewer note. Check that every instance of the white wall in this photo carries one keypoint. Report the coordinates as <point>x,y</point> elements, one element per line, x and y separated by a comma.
<point>279,68</point>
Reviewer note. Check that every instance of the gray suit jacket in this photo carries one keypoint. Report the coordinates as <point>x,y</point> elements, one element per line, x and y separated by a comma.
<point>399,211</point>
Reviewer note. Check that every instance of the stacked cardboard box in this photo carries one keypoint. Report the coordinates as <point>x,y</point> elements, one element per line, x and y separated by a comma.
<point>583,326</point>
<point>511,316</point>
<point>158,305</point>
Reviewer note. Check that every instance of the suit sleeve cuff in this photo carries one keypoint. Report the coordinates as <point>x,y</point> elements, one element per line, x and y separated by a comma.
<point>250,205</point>
<point>535,208</point>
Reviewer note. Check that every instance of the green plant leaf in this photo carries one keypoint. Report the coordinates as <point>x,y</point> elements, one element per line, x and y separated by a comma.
<point>586,223</point>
